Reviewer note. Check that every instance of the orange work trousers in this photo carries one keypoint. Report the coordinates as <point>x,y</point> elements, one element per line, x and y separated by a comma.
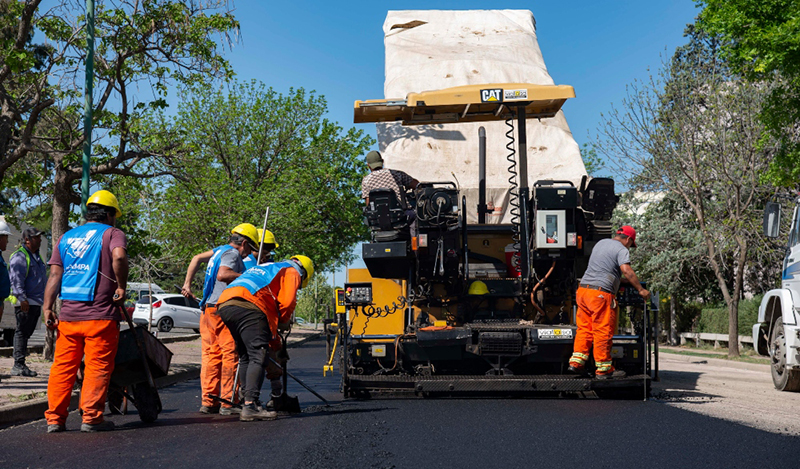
<point>219,358</point>
<point>597,323</point>
<point>97,341</point>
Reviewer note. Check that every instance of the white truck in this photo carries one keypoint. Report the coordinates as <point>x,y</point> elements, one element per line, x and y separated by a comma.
<point>777,332</point>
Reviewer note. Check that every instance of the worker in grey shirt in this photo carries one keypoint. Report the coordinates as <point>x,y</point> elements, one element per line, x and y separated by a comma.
<point>218,349</point>
<point>597,307</point>
<point>28,274</point>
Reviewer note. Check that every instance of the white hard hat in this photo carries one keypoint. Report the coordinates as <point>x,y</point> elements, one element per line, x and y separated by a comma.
<point>4,229</point>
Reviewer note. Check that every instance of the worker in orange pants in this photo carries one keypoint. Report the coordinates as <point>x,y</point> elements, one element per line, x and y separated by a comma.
<point>89,270</point>
<point>596,299</point>
<point>597,322</point>
<point>98,340</point>
<point>219,357</point>
<point>218,353</point>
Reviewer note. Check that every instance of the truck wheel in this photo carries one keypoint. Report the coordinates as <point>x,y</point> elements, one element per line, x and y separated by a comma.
<point>785,379</point>
<point>165,324</point>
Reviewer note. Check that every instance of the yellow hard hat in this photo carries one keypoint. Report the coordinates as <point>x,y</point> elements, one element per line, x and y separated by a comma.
<point>478,288</point>
<point>267,237</point>
<point>105,198</point>
<point>308,265</point>
<point>248,231</point>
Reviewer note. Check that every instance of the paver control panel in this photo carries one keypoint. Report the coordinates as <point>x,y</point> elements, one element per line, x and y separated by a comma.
<point>358,294</point>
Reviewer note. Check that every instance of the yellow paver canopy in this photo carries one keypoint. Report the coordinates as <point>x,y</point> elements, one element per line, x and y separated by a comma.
<point>471,103</point>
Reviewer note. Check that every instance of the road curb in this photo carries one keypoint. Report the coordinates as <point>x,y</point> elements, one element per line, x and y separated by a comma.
<point>7,352</point>
<point>716,362</point>
<point>185,338</point>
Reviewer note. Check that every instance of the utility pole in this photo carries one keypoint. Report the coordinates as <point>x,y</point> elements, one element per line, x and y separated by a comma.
<point>88,106</point>
<point>50,335</point>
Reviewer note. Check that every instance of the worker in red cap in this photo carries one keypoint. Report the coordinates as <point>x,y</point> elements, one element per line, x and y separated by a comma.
<point>597,305</point>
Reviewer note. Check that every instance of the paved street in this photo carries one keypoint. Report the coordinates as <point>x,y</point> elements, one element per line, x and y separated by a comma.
<point>408,433</point>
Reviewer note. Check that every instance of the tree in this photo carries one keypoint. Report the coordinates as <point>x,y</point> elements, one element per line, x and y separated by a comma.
<point>762,42</point>
<point>151,42</point>
<point>696,133</point>
<point>156,42</point>
<point>592,162</point>
<point>248,147</point>
<point>314,300</point>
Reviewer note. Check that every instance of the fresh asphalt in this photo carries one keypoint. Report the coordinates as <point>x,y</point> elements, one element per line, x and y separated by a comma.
<point>403,433</point>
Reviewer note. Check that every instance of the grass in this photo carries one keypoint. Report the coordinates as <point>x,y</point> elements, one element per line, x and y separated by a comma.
<point>27,397</point>
<point>746,358</point>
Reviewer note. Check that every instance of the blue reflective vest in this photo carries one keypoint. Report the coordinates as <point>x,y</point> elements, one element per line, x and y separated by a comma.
<point>80,250</point>
<point>260,276</point>
<point>249,261</point>
<point>211,272</point>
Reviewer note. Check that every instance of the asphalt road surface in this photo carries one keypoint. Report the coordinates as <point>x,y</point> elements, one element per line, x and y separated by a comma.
<point>405,433</point>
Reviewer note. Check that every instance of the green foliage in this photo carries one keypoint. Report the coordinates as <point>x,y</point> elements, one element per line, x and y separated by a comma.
<point>762,43</point>
<point>317,297</point>
<point>715,320</point>
<point>248,148</point>
<point>695,135</point>
<point>593,163</point>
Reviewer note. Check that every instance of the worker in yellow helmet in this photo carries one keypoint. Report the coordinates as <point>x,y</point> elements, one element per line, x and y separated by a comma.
<point>219,357</point>
<point>255,307</point>
<point>89,271</point>
<point>268,245</point>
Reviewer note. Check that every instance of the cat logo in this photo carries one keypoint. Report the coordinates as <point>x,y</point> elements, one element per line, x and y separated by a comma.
<point>492,96</point>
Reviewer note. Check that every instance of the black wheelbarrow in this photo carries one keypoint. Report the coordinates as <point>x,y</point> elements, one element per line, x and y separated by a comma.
<point>141,359</point>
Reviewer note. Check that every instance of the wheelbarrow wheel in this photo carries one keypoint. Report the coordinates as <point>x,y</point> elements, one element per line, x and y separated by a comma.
<point>147,402</point>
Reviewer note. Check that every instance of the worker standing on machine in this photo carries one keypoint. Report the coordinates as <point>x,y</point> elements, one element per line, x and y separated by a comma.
<point>219,358</point>
<point>255,307</point>
<point>393,179</point>
<point>89,269</point>
<point>267,250</point>
<point>596,299</point>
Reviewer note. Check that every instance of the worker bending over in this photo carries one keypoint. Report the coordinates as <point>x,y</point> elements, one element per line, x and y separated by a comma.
<point>89,268</point>
<point>267,249</point>
<point>218,351</point>
<point>255,307</point>
<point>596,298</point>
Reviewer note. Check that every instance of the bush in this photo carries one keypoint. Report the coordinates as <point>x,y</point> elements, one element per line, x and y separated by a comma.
<point>715,320</point>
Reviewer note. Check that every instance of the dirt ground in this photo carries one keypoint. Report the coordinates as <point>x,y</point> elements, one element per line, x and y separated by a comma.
<point>743,394</point>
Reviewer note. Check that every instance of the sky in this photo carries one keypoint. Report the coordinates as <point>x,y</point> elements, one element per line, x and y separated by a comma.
<point>336,49</point>
<point>339,53</point>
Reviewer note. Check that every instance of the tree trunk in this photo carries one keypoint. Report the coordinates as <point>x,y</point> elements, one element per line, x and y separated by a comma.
<point>733,327</point>
<point>61,208</point>
<point>673,322</point>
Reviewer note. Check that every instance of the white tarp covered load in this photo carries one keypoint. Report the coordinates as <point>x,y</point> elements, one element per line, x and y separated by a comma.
<point>430,50</point>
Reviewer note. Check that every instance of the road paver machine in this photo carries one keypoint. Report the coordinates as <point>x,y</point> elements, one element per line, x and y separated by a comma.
<point>451,306</point>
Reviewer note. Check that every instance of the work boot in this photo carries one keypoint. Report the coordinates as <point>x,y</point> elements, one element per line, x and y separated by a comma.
<point>271,403</point>
<point>56,428</point>
<point>616,374</point>
<point>23,371</point>
<point>577,370</point>
<point>104,426</point>
<point>252,412</point>
<point>230,410</point>
<point>209,409</point>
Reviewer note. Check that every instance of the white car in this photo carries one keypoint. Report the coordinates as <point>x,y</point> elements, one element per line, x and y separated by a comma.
<point>169,310</point>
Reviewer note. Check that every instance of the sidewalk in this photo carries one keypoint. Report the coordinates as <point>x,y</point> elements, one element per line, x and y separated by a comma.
<point>23,399</point>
